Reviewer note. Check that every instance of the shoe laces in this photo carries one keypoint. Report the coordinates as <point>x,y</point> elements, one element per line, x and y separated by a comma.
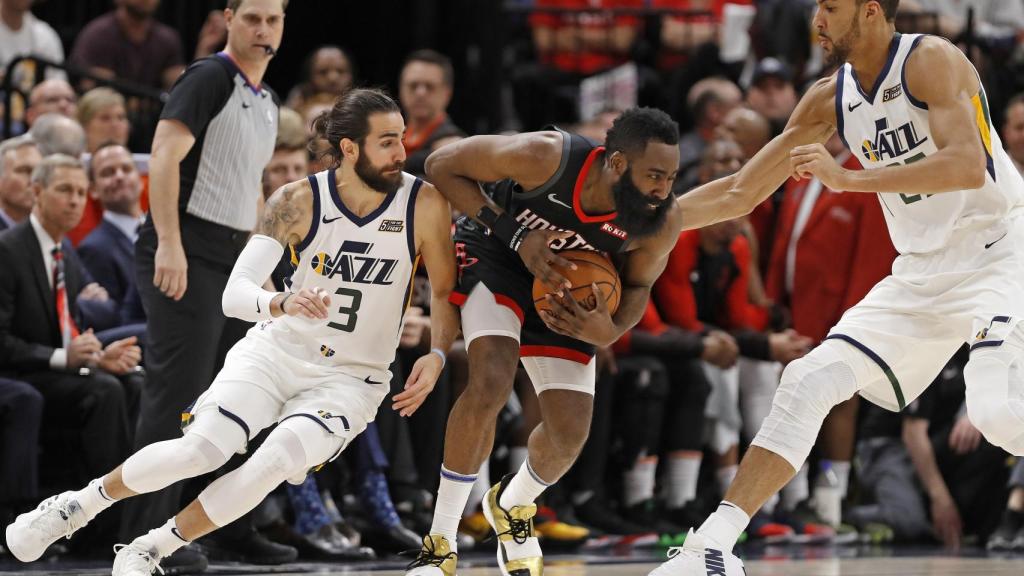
<point>427,556</point>
<point>682,552</point>
<point>518,529</point>
<point>139,559</point>
<point>59,517</point>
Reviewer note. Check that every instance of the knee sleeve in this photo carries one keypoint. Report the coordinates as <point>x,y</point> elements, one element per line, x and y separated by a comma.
<point>810,387</point>
<point>995,395</point>
<point>161,464</point>
<point>291,449</point>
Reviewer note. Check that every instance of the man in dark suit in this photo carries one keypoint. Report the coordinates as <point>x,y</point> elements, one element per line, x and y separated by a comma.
<point>89,389</point>
<point>21,412</point>
<point>108,252</point>
<point>18,157</point>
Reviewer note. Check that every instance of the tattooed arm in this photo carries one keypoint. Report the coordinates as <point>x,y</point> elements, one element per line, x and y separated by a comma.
<point>286,220</point>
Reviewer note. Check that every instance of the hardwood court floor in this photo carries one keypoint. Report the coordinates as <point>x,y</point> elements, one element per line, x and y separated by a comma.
<point>916,566</point>
<point>824,567</point>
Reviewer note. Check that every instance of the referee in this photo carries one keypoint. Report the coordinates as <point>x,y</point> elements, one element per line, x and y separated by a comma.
<point>216,133</point>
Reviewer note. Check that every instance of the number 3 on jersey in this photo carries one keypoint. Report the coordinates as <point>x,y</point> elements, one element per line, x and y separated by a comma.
<point>350,310</point>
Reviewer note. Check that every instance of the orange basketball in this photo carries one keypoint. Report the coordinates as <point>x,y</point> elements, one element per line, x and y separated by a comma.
<point>591,268</point>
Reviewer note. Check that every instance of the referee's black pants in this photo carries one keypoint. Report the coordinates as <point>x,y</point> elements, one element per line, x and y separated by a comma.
<point>183,340</point>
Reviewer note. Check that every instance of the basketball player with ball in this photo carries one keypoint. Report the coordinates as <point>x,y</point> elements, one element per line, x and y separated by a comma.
<point>560,205</point>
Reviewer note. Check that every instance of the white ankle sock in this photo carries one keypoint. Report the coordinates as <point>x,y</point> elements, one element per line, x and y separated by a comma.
<point>638,481</point>
<point>452,495</point>
<point>93,499</point>
<point>725,476</point>
<point>524,488</point>
<point>683,473</point>
<point>796,491</point>
<point>725,525</point>
<point>166,539</point>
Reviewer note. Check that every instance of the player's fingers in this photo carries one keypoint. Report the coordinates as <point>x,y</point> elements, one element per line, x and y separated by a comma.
<point>556,260</point>
<point>552,235</point>
<point>559,307</point>
<point>307,308</point>
<point>602,303</point>
<point>555,323</point>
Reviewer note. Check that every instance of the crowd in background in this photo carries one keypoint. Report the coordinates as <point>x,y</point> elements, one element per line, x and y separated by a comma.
<point>679,397</point>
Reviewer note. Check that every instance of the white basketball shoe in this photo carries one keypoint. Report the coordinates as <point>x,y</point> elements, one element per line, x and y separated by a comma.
<point>32,532</point>
<point>699,556</point>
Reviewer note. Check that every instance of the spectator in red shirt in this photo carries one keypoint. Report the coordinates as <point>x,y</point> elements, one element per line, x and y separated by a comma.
<point>573,40</point>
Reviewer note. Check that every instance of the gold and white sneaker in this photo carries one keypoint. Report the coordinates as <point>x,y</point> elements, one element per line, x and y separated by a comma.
<point>519,551</point>
<point>435,558</point>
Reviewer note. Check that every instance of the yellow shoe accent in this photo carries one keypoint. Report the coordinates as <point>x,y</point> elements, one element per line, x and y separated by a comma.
<point>513,527</point>
<point>435,558</point>
<point>561,531</point>
<point>476,526</point>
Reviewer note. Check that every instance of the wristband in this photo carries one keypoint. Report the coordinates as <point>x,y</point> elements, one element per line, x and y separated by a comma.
<point>440,353</point>
<point>510,232</point>
<point>287,295</point>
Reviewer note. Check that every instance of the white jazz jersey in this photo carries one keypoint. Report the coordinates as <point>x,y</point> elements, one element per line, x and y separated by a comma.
<point>366,265</point>
<point>890,127</point>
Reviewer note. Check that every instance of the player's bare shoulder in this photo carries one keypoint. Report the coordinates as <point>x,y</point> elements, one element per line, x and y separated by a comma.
<point>539,154</point>
<point>288,213</point>
<point>936,53</point>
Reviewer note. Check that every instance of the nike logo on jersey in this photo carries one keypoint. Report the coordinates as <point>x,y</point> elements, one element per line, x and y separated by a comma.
<point>368,380</point>
<point>990,244</point>
<point>326,221</point>
<point>851,107</point>
<point>555,199</point>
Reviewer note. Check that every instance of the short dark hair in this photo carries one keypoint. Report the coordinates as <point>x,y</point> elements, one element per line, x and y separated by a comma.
<point>436,58</point>
<point>233,5</point>
<point>1018,99</point>
<point>635,128</point>
<point>350,118</point>
<point>889,7</point>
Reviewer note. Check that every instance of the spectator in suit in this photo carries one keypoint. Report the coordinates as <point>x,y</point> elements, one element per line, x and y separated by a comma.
<point>21,412</point>
<point>108,252</point>
<point>54,95</point>
<point>18,157</point>
<point>90,390</point>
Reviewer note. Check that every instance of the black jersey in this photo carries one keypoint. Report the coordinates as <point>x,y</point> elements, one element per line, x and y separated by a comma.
<point>556,203</point>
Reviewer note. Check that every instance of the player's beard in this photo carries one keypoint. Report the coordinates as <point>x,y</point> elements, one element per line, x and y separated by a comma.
<point>841,49</point>
<point>376,178</point>
<point>635,214</point>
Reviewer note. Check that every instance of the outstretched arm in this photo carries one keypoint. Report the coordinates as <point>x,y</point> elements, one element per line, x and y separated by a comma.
<point>434,242</point>
<point>955,116</point>
<point>736,195</point>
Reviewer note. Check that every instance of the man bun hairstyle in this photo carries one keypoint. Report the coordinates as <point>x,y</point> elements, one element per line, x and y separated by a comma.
<point>349,118</point>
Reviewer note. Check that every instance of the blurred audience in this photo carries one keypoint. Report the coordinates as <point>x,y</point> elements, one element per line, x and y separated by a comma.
<point>51,96</point>
<point>22,34</point>
<point>129,44</point>
<point>424,91</point>
<point>1013,131</point>
<point>104,117</point>
<point>328,70</point>
<point>19,156</point>
<point>772,93</point>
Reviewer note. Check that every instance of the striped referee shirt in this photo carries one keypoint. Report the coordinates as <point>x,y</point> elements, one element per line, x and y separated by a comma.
<point>235,125</point>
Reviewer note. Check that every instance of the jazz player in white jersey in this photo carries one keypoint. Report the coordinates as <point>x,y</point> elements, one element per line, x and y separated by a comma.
<point>914,112</point>
<point>316,363</point>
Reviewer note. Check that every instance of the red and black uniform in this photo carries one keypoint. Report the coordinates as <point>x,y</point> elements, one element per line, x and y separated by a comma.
<point>555,205</point>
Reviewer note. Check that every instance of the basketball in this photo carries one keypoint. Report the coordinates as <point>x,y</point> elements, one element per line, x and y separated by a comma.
<point>591,268</point>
